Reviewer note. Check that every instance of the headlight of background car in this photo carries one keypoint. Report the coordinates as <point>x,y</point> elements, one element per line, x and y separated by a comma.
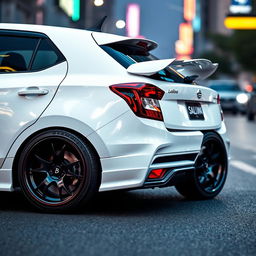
<point>242,98</point>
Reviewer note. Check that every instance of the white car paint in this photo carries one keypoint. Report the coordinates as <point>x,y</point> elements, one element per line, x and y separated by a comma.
<point>149,68</point>
<point>125,143</point>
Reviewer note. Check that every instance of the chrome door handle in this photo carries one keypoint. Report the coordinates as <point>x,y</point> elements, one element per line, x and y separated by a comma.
<point>33,91</point>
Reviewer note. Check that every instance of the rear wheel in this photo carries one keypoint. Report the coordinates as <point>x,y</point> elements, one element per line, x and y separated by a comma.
<point>58,171</point>
<point>210,170</point>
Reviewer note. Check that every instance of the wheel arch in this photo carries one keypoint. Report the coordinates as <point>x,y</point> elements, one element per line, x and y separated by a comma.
<point>23,144</point>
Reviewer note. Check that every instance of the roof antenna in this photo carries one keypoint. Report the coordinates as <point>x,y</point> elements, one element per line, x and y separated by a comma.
<point>98,26</point>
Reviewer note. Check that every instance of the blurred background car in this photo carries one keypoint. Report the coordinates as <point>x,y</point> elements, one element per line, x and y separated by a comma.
<point>232,97</point>
<point>251,106</point>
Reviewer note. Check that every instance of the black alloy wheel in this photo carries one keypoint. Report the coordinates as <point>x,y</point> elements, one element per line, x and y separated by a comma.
<point>210,170</point>
<point>58,171</point>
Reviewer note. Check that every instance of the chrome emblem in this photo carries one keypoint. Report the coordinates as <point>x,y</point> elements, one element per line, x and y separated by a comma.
<point>199,94</point>
<point>57,170</point>
<point>173,91</point>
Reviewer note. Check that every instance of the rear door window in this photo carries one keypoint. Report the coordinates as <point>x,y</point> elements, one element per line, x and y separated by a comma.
<point>16,53</point>
<point>47,55</point>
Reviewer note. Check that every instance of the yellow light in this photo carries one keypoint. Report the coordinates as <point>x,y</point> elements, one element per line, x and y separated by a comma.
<point>240,22</point>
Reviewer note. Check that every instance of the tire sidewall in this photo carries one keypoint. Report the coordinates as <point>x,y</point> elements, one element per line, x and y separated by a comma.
<point>88,186</point>
<point>213,136</point>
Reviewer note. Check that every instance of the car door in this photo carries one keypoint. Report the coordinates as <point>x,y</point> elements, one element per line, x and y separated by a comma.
<point>31,69</point>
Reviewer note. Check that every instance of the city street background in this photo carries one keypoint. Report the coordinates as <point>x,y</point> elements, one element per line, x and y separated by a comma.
<point>159,221</point>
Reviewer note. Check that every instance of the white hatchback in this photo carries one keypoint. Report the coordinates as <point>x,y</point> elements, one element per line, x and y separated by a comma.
<point>83,111</point>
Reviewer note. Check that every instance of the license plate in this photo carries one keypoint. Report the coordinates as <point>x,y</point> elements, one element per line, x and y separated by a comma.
<point>195,111</point>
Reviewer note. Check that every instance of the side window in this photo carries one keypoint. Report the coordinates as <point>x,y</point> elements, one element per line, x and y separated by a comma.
<point>47,55</point>
<point>16,53</point>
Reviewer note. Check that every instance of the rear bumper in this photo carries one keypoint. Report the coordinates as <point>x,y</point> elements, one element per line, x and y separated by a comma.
<point>134,149</point>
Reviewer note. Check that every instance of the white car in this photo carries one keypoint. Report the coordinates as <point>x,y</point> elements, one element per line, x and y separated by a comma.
<point>84,111</point>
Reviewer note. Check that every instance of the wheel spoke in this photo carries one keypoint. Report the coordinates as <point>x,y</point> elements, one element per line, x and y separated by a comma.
<point>60,153</point>
<point>44,162</point>
<point>215,156</point>
<point>71,169</point>
<point>67,190</point>
<point>53,149</point>
<point>45,184</point>
<point>203,180</point>
<point>61,186</point>
<point>38,170</point>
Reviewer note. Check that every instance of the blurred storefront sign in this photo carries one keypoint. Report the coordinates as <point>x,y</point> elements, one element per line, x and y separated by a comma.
<point>71,7</point>
<point>240,6</point>
<point>133,20</point>
<point>184,46</point>
<point>236,22</point>
<point>241,15</point>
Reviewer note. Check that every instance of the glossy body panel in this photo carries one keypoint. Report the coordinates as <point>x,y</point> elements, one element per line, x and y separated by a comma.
<point>19,112</point>
<point>84,104</point>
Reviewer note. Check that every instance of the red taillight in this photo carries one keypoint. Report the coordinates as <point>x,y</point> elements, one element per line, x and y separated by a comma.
<point>221,112</point>
<point>141,98</point>
<point>218,99</point>
<point>157,174</point>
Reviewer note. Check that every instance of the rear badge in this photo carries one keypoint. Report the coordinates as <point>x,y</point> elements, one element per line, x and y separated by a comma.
<point>173,91</point>
<point>199,94</point>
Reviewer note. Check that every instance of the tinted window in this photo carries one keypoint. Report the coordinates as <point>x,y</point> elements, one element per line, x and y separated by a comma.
<point>47,55</point>
<point>126,56</point>
<point>16,53</point>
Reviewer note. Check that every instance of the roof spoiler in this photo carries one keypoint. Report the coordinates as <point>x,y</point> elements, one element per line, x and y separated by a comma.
<point>192,70</point>
<point>202,68</point>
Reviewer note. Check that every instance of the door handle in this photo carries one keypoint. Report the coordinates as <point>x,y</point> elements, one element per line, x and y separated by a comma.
<point>33,91</point>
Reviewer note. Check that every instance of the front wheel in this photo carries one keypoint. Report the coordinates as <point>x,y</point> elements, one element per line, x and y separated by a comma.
<point>208,178</point>
<point>58,171</point>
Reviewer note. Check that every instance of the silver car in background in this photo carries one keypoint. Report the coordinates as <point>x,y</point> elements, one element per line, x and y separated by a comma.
<point>232,97</point>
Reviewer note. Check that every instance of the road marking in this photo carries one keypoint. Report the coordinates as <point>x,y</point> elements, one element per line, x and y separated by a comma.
<point>243,166</point>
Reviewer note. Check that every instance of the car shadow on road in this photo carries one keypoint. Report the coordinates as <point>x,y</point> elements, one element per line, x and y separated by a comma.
<point>123,203</point>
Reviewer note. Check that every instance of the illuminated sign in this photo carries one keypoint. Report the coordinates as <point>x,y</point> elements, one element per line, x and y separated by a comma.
<point>240,6</point>
<point>133,20</point>
<point>184,46</point>
<point>71,8</point>
<point>189,9</point>
<point>240,22</point>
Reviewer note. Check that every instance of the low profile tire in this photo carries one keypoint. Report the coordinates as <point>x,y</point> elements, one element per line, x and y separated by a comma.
<point>57,171</point>
<point>209,176</point>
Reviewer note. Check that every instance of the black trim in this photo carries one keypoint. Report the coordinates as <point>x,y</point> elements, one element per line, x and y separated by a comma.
<point>29,34</point>
<point>22,33</point>
<point>170,177</point>
<point>34,54</point>
<point>174,158</point>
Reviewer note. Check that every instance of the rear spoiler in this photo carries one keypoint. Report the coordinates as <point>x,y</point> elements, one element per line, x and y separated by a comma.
<point>202,68</point>
<point>199,69</point>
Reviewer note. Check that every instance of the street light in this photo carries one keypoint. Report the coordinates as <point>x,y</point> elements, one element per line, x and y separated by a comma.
<point>98,2</point>
<point>120,24</point>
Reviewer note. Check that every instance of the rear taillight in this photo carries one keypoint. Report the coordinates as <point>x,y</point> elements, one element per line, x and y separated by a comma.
<point>218,99</point>
<point>141,98</point>
<point>221,112</point>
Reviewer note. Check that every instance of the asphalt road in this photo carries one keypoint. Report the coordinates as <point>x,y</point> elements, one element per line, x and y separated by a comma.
<point>146,222</point>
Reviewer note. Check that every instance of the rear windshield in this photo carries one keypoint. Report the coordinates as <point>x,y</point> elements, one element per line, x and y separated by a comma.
<point>127,56</point>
